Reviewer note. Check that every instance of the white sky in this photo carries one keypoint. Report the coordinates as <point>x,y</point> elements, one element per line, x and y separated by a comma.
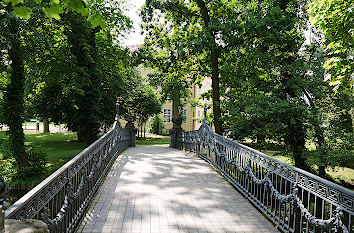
<point>134,37</point>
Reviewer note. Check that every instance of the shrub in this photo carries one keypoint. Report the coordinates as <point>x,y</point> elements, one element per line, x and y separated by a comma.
<point>157,125</point>
<point>8,169</point>
<point>5,149</point>
<point>37,160</point>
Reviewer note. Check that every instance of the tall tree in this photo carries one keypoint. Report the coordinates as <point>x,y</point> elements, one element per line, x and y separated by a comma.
<point>263,77</point>
<point>14,95</point>
<point>214,61</point>
<point>81,37</point>
<point>202,23</point>
<point>173,69</point>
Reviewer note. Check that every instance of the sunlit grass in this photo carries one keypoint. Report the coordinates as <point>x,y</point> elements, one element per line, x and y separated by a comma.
<point>338,173</point>
<point>152,141</point>
<point>59,147</point>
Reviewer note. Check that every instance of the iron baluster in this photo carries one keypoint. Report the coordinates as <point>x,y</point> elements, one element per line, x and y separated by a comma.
<point>275,187</point>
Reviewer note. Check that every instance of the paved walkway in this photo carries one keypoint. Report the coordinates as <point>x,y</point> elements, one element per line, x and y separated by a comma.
<point>158,189</point>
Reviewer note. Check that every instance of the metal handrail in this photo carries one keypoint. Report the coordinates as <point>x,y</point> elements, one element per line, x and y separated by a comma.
<point>293,199</point>
<point>62,198</point>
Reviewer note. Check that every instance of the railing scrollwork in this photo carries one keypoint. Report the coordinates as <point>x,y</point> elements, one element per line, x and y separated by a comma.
<point>61,199</point>
<point>295,200</point>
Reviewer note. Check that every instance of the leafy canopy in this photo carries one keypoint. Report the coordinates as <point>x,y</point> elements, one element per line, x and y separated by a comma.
<point>335,18</point>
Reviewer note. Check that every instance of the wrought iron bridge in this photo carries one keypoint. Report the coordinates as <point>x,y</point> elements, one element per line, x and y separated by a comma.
<point>160,189</point>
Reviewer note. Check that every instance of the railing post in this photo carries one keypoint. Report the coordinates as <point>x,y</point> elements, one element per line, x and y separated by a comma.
<point>2,220</point>
<point>175,132</point>
<point>3,192</point>
<point>131,128</point>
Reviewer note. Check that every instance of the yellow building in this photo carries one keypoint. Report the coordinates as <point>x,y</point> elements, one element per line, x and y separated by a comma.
<point>193,115</point>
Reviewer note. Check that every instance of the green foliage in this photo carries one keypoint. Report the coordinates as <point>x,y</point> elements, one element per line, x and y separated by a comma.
<point>54,8</point>
<point>264,76</point>
<point>40,69</point>
<point>37,160</point>
<point>5,150</point>
<point>14,91</point>
<point>156,124</point>
<point>54,11</point>
<point>59,148</point>
<point>81,39</point>
<point>185,37</point>
<point>24,12</point>
<point>335,18</point>
<point>8,169</point>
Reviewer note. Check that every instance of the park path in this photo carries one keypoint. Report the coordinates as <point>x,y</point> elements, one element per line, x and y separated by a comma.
<point>163,190</point>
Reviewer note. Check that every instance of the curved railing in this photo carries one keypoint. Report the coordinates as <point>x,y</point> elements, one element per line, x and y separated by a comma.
<point>62,198</point>
<point>293,199</point>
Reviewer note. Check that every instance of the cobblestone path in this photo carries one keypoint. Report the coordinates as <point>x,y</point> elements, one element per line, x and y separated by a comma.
<point>163,190</point>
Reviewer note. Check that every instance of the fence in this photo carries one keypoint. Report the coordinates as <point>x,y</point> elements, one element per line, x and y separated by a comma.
<point>293,199</point>
<point>62,198</point>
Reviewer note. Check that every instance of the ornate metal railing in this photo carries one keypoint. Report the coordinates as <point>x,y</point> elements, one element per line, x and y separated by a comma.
<point>293,199</point>
<point>62,198</point>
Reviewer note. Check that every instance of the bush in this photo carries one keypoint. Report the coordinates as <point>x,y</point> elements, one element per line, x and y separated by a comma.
<point>5,149</point>
<point>157,125</point>
<point>8,169</point>
<point>37,160</point>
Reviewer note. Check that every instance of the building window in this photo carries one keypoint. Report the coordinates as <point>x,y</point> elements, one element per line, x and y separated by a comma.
<point>167,115</point>
<point>184,115</point>
<point>198,113</point>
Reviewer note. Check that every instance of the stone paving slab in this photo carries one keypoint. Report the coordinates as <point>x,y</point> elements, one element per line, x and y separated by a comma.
<point>157,189</point>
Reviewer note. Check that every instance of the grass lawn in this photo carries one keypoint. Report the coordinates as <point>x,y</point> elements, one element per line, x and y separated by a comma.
<point>152,141</point>
<point>59,147</point>
<point>28,123</point>
<point>337,173</point>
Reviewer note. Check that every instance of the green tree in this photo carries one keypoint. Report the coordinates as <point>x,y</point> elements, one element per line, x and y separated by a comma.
<point>335,18</point>
<point>171,65</point>
<point>14,101</point>
<point>16,63</point>
<point>82,40</point>
<point>263,76</point>
<point>202,24</point>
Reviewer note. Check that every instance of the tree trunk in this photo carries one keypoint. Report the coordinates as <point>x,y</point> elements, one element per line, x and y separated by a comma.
<point>322,171</point>
<point>260,139</point>
<point>80,138</point>
<point>14,99</point>
<point>319,133</point>
<point>214,60</point>
<point>297,142</point>
<point>175,109</point>
<point>159,129</point>
<point>46,125</point>
<point>216,91</point>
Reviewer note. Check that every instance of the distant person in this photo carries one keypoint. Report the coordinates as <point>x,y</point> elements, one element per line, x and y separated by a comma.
<point>37,126</point>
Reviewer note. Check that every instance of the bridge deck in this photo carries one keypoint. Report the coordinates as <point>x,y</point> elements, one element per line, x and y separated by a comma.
<point>159,189</point>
